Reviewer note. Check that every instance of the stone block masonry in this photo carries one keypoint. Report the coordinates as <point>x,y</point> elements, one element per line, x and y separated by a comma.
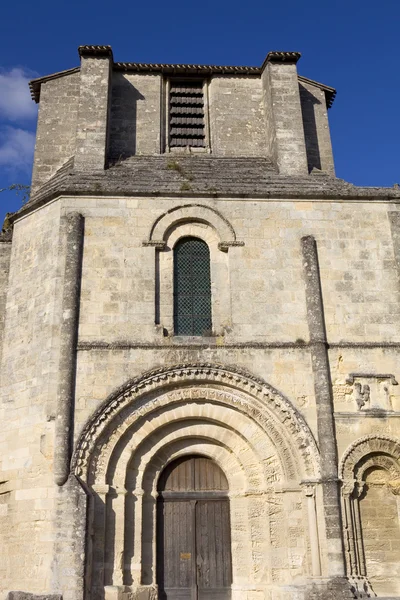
<point>290,401</point>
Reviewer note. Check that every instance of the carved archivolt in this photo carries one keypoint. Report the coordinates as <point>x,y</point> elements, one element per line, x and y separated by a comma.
<point>357,453</point>
<point>197,384</point>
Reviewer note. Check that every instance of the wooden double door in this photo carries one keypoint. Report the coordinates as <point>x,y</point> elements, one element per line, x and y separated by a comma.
<point>193,532</point>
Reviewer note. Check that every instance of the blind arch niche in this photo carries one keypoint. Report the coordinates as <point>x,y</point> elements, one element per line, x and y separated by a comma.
<point>192,287</point>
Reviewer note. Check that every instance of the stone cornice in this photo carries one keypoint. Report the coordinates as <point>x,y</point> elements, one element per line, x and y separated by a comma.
<point>134,178</point>
<point>187,70</point>
<point>183,69</point>
<point>281,57</point>
<point>95,51</point>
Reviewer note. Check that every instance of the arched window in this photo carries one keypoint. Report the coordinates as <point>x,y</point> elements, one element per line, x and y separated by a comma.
<point>192,287</point>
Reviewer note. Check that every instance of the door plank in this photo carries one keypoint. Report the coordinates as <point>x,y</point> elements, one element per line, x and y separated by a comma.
<point>214,573</point>
<point>176,576</point>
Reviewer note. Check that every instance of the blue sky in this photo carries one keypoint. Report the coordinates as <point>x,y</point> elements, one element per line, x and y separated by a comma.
<point>352,45</point>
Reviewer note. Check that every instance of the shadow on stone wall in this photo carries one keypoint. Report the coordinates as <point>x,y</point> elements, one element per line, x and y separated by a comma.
<point>123,118</point>
<point>308,102</point>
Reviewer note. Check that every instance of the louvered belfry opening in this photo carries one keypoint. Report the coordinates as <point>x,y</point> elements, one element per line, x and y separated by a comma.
<point>192,287</point>
<point>186,114</point>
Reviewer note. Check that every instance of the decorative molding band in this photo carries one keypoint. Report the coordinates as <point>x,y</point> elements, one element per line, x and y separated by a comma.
<point>224,246</point>
<point>161,244</point>
<point>371,413</point>
<point>353,376</point>
<point>366,345</point>
<point>216,343</point>
<point>158,244</point>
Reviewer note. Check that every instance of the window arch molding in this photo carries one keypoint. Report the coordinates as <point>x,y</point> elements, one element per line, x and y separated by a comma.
<point>192,213</point>
<point>219,274</point>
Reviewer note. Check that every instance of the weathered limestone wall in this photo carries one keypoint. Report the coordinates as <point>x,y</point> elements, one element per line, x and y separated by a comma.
<point>56,129</point>
<point>370,401</point>
<point>236,113</point>
<point>92,130</point>
<point>316,128</point>
<point>264,333</point>
<point>247,116</point>
<point>267,298</point>
<point>5,254</point>
<point>28,392</point>
<point>101,371</point>
<point>284,123</point>
<point>135,121</point>
<point>267,301</point>
<point>381,533</point>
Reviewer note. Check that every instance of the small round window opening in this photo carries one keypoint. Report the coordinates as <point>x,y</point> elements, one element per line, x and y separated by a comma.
<point>192,288</point>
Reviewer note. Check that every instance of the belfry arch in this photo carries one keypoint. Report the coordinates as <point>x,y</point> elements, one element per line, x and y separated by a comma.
<point>250,431</point>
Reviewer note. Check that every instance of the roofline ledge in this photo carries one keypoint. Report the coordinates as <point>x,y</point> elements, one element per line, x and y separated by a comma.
<point>95,52</point>
<point>290,58</point>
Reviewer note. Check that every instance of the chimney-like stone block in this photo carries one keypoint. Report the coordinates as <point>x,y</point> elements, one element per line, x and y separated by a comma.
<point>284,122</point>
<point>94,108</point>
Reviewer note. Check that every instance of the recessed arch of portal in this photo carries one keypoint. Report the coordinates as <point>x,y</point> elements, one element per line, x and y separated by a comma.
<point>231,464</point>
<point>248,513</point>
<point>135,449</point>
<point>224,406</point>
<point>211,386</point>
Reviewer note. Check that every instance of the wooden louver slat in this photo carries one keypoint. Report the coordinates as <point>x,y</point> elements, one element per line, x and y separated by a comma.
<point>186,99</point>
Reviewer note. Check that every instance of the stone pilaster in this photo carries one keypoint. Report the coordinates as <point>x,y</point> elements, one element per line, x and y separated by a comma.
<point>324,401</point>
<point>394,220</point>
<point>5,257</point>
<point>73,224</point>
<point>284,121</point>
<point>94,107</point>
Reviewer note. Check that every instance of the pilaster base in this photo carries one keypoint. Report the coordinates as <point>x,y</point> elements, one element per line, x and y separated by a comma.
<point>336,588</point>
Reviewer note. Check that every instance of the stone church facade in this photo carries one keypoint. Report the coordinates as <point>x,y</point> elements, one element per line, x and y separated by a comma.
<point>200,336</point>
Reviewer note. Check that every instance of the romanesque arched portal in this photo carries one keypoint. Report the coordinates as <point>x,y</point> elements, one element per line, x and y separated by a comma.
<point>250,431</point>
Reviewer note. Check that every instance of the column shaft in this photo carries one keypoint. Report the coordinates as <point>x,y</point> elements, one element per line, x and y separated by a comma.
<point>73,224</point>
<point>325,410</point>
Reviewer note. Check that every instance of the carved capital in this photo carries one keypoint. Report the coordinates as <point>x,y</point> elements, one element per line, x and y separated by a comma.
<point>394,486</point>
<point>348,487</point>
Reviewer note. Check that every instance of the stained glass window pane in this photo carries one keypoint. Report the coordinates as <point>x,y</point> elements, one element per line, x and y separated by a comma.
<point>192,287</point>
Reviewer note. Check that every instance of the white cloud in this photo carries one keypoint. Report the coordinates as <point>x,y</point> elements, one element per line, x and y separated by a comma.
<point>16,149</point>
<point>15,99</point>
